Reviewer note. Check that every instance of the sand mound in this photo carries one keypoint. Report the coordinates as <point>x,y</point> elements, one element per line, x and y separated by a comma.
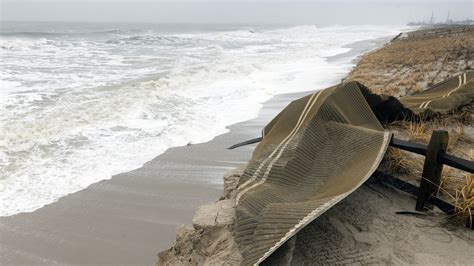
<point>211,240</point>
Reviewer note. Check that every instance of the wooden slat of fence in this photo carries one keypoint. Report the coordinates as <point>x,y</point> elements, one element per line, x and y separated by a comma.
<point>408,146</point>
<point>456,162</point>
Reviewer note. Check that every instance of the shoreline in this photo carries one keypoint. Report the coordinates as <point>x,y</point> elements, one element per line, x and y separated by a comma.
<point>128,124</point>
<point>355,230</point>
<point>120,220</point>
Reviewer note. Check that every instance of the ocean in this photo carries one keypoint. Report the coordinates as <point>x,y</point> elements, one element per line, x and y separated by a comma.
<point>81,102</point>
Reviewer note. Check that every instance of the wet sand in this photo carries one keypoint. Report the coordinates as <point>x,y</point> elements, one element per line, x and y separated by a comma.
<point>128,219</point>
<point>131,217</point>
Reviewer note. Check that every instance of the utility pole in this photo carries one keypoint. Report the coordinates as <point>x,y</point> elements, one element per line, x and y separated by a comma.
<point>432,18</point>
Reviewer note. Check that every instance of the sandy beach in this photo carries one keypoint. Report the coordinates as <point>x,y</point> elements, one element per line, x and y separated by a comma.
<point>133,216</point>
<point>128,219</point>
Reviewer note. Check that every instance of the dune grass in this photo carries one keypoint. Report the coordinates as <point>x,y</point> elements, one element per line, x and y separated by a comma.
<point>406,67</point>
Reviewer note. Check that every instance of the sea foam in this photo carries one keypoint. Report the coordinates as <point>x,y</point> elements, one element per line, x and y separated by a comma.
<point>79,108</point>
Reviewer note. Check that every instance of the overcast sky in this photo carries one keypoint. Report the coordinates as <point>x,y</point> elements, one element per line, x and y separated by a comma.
<point>235,11</point>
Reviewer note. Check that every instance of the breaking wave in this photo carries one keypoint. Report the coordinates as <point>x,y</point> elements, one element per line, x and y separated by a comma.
<point>79,107</point>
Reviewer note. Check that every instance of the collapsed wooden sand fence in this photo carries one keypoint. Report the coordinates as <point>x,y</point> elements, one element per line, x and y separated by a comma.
<point>322,147</point>
<point>435,157</point>
<point>434,32</point>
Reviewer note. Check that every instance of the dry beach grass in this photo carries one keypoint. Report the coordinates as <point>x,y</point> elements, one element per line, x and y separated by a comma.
<point>408,66</point>
<point>404,67</point>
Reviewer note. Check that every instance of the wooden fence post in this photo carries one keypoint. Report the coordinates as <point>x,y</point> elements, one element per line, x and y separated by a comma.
<point>430,179</point>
